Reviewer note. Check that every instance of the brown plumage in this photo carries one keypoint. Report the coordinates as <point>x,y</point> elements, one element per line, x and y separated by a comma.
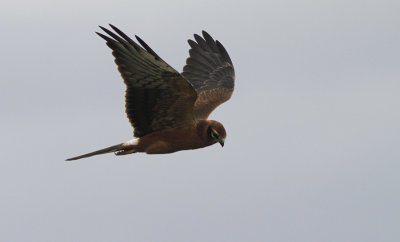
<point>169,110</point>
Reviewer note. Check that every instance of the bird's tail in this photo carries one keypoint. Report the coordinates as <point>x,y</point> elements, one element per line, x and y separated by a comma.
<point>115,148</point>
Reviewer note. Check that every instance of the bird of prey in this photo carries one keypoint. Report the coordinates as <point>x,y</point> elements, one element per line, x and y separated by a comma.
<point>167,109</point>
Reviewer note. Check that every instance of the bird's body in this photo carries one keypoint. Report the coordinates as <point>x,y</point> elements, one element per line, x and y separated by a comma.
<point>169,110</point>
<point>172,140</point>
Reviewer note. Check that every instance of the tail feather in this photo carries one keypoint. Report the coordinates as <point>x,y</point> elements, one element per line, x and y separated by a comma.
<point>110,149</point>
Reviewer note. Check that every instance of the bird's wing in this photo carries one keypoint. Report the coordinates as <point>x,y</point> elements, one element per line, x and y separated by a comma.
<point>157,96</point>
<point>210,70</point>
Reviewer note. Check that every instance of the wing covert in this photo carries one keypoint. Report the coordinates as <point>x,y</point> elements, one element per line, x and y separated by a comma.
<point>157,96</point>
<point>210,70</point>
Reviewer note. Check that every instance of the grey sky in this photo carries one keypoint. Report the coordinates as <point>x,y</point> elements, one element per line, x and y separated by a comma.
<point>312,152</point>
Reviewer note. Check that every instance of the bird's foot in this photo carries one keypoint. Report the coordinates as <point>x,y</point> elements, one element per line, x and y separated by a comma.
<point>124,152</point>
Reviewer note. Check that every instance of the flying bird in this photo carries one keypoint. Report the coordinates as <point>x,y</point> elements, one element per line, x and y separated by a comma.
<point>167,109</point>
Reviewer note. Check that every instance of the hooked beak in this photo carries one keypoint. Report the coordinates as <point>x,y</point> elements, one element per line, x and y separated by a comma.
<point>221,141</point>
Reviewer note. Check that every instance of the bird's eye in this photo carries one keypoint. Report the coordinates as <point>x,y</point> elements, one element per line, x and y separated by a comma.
<point>214,135</point>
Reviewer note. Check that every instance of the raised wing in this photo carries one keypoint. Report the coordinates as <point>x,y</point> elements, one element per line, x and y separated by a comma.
<point>157,96</point>
<point>210,70</point>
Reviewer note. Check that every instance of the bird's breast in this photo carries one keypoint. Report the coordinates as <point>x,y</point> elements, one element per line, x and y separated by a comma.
<point>173,140</point>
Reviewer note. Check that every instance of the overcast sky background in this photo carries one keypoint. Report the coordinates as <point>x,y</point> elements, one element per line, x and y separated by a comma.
<point>313,145</point>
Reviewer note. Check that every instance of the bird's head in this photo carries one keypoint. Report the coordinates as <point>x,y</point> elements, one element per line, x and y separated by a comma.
<point>216,132</point>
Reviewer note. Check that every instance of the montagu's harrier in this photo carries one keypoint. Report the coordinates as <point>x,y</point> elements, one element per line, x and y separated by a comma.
<point>167,109</point>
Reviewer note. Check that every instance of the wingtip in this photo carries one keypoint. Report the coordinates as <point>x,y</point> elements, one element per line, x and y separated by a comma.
<point>192,43</point>
<point>115,29</point>
<point>106,38</point>
<point>196,36</point>
<point>138,38</point>
<point>200,40</point>
<point>103,28</point>
<point>207,36</point>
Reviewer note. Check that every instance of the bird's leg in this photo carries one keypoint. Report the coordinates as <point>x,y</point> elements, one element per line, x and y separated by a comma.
<point>128,147</point>
<point>124,152</point>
